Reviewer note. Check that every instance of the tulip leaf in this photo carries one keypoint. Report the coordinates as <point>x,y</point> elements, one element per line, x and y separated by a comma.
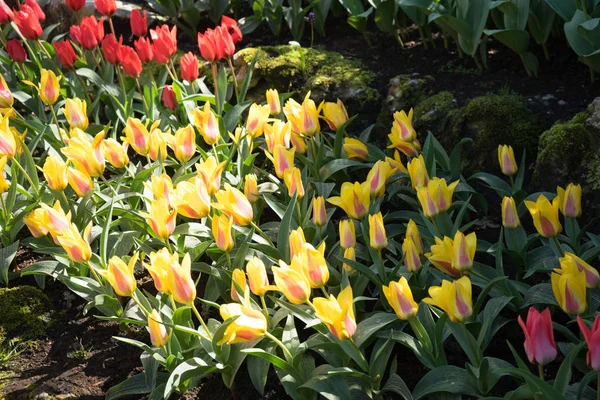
<point>107,305</point>
<point>273,359</point>
<point>584,383</point>
<point>331,387</point>
<point>287,224</point>
<point>195,368</point>
<point>563,376</point>
<point>336,165</point>
<point>395,384</point>
<point>371,325</point>
<point>258,368</point>
<point>232,116</point>
<point>135,385</point>
<point>447,378</point>
<point>7,254</point>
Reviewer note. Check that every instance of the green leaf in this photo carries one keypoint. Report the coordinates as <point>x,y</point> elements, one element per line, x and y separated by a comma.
<point>7,254</point>
<point>369,326</point>
<point>258,368</point>
<point>455,158</point>
<point>232,116</point>
<point>447,378</point>
<point>273,359</point>
<point>283,243</point>
<point>563,376</point>
<point>331,387</point>
<point>395,384</point>
<point>134,385</point>
<point>194,367</point>
<point>337,165</point>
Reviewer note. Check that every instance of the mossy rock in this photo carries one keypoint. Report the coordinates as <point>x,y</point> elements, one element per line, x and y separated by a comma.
<point>433,113</point>
<point>492,120</point>
<point>404,92</point>
<point>24,310</point>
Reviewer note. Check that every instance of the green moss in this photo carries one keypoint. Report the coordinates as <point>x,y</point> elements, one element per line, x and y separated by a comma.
<point>23,309</point>
<point>432,113</point>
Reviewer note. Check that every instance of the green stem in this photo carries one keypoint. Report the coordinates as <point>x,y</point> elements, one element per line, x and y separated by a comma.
<point>557,243</point>
<point>173,305</point>
<point>142,94</point>
<point>265,309</point>
<point>598,387</point>
<point>45,51</point>
<point>299,213</point>
<point>213,68</point>
<point>54,116</point>
<point>33,187</point>
<point>229,266</point>
<point>381,267</point>
<point>261,233</point>
<point>541,371</point>
<point>421,334</point>
<point>325,292</point>
<point>108,185</point>
<point>288,355</point>
<point>471,345</point>
<point>201,320</point>
<point>83,86</point>
<point>139,304</point>
<point>235,85</point>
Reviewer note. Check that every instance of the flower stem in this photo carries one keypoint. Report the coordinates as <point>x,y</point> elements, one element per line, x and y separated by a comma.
<point>213,68</point>
<point>265,309</point>
<point>324,292</point>
<point>235,85</point>
<point>142,94</point>
<point>229,266</point>
<point>471,344</point>
<point>598,387</point>
<point>557,243</point>
<point>261,233</point>
<point>381,267</point>
<point>201,320</point>
<point>541,371</point>
<point>288,355</point>
<point>34,187</point>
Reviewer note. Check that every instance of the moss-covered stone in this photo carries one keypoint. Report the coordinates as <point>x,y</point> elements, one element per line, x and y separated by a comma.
<point>432,114</point>
<point>23,312</point>
<point>404,92</point>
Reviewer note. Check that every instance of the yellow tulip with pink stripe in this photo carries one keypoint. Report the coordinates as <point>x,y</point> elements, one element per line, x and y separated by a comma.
<point>455,298</point>
<point>233,203</point>
<point>400,297</point>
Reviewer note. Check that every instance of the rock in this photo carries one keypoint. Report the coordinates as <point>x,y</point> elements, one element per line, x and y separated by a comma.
<point>593,122</point>
<point>24,309</point>
<point>562,103</point>
<point>432,114</point>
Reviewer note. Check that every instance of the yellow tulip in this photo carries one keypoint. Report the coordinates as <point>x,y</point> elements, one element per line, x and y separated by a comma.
<point>298,143</point>
<point>402,127</point>
<point>337,314</point>
<point>49,88</point>
<point>440,255</point>
<point>452,297</point>
<point>418,172</point>
<point>347,234</point>
<point>277,133</point>
<point>570,200</point>
<point>510,217</point>
<point>257,117</point>
<point>413,232</point>
<point>249,325</point>
<point>545,215</point>
<point>293,180</point>
<point>292,111</point>
<point>77,246</point>
<point>184,143</point>
<point>427,201</point>
<point>377,236</point>
<point>349,254</point>
<point>506,158</point>
<point>274,103</point>
<point>137,135</point>
<point>158,333</point>
<point>232,202</point>
<point>4,185</point>
<point>159,268</point>
<point>8,141</point>
<point>258,279</point>
<point>180,282</point>
<point>238,277</point>
<point>569,260</point>
<point>291,281</point>
<point>76,113</point>
<point>282,159</point>
<point>308,121</point>
<point>410,149</point>
<point>251,188</point>
<point>55,219</point>
<point>157,145</point>
<point>334,114</point>
<point>319,216</point>
<point>210,172</point>
<point>79,181</point>
<point>436,197</point>
<point>85,156</point>
<point>400,297</point>
<point>161,187</point>
<point>377,178</point>
<point>569,288</point>
<point>297,242</point>
<point>463,251</point>
<point>221,230</point>
<point>354,199</point>
<point>314,265</point>
<point>191,199</point>
<point>355,149</point>
<point>6,97</point>
<point>207,124</point>
<point>37,221</point>
<point>396,165</point>
<point>412,258</point>
<point>161,218</point>
<point>120,275</point>
<point>115,153</point>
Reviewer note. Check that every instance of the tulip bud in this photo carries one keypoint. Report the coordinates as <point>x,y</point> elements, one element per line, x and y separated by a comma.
<point>355,149</point>
<point>377,178</point>
<point>335,114</point>
<point>418,172</point>
<point>337,314</point>
<point>169,99</point>
<point>159,267</point>
<point>161,218</point>
<point>139,25</point>
<point>506,157</point>
<point>191,199</point>
<point>16,50</point>
<point>510,217</point>
<point>207,124</point>
<point>441,255</point>
<point>106,7</point>
<point>354,199</point>
<point>297,241</point>
<point>79,181</point>
<point>76,113</point>
<point>273,101</point>
<point>309,117</point>
<point>157,147</point>
<point>400,297</point>
<point>6,96</point>
<point>161,187</point>
<point>120,275</point>
<point>413,232</point>
<point>319,217</point>
<point>314,265</point>
<point>539,336</point>
<point>238,278</point>
<point>347,234</point>
<point>569,288</point>
<point>278,133</point>
<point>298,143</point>
<point>55,219</point>
<point>36,222</point>
<point>257,117</point>
<point>210,172</point>
<point>402,127</point>
<point>189,67</point>
<point>427,201</point>
<point>396,165</point>
<point>591,274</point>
<point>233,203</point>
<point>282,158</point>
<point>77,246</point>
<point>464,251</point>
<point>115,153</point>
<point>221,230</point>
<point>251,188</point>
<point>85,156</point>
<point>184,143</point>
<point>257,276</point>
<point>452,297</point>
<point>570,200</point>
<point>377,236</point>
<point>591,338</point>
<point>412,259</point>
<point>55,173</point>
<point>181,284</point>
<point>293,180</point>
<point>158,333</point>
<point>137,135</point>
<point>545,215</point>
<point>292,282</point>
<point>349,254</point>
<point>249,325</point>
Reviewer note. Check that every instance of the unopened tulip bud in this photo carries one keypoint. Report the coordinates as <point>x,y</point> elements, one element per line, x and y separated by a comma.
<point>191,199</point>
<point>158,333</point>
<point>221,230</point>
<point>400,297</point>
<point>293,180</point>
<point>79,181</point>
<point>506,157</point>
<point>233,203</point>
<point>292,282</point>
<point>274,102</point>
<point>337,314</point>
<point>314,266</point>
<point>76,113</point>
<point>257,276</point>
<point>355,149</point>
<point>251,188</point>
<point>539,336</point>
<point>569,288</point>
<point>377,178</point>
<point>412,259</point>
<point>354,199</point>
<point>181,284</point>
<point>184,143</point>
<point>455,298</point>
<point>55,173</point>
<point>510,217</point>
<point>377,236</point>
<point>570,200</point>
<point>413,232</point>
<point>349,254</point>
<point>36,222</point>
<point>249,325</point>
<point>120,275</point>
<point>319,212</point>
<point>347,234</point>
<point>545,215</point>
<point>592,339</point>
<point>309,117</point>
<point>238,278</point>
<point>257,117</point>
<point>115,153</point>
<point>464,251</point>
<point>77,246</point>
<point>161,218</point>
<point>335,114</point>
<point>297,241</point>
<point>592,277</point>
<point>418,172</point>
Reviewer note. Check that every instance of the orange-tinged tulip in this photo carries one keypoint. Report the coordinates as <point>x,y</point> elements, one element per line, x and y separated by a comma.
<point>355,149</point>
<point>402,127</point>
<point>377,178</point>
<point>36,222</point>
<point>506,157</point>
<point>161,187</point>
<point>207,124</point>
<point>463,251</point>
<point>158,332</point>
<point>319,216</point>
<point>291,281</point>
<point>210,172</point>
<point>161,218</point>
<point>158,268</point>
<point>334,114</point>
<point>76,113</point>
<point>137,135</point>
<point>347,234</point>
<point>570,200</point>
<point>115,153</point>
<point>418,172</point>
<point>400,297</point>
<point>292,110</point>
<point>49,88</point>
<point>314,265</point>
<point>396,165</point>
<point>510,217</point>
<point>238,277</point>
<point>251,188</point>
<point>184,143</point>
<point>337,314</point>
<point>354,199</point>
<point>6,97</point>
<point>221,230</point>
<point>412,257</point>
<point>413,232</point>
<point>452,297</point>
<point>297,242</point>
<point>349,254</point>
<point>55,173</point>
<point>191,199</point>
<point>258,279</point>
<point>77,246</point>
<point>85,156</point>
<point>293,180</point>
<point>55,219</point>
<point>277,133</point>
<point>274,103</point>
<point>79,181</point>
<point>181,284</point>
<point>298,143</point>
<point>249,325</point>
<point>257,117</point>
<point>157,145</point>
<point>282,159</point>
<point>441,254</point>
<point>592,277</point>
<point>569,288</point>
<point>120,275</point>
<point>309,117</point>
<point>377,236</point>
<point>233,203</point>
<point>8,142</point>
<point>545,215</point>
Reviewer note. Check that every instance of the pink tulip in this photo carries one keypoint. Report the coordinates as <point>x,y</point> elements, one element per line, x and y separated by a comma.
<point>592,337</point>
<point>539,337</point>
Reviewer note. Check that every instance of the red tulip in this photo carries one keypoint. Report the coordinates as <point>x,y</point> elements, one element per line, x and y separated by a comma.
<point>225,42</point>
<point>189,67</point>
<point>132,65</point>
<point>106,7</point>
<point>144,49</point>
<point>75,5</point>
<point>6,14</point>
<point>539,336</point>
<point>169,98</point>
<point>36,8</point>
<point>28,23</point>
<point>208,46</point>
<point>232,27</point>
<point>110,48</point>
<point>66,54</point>
<point>592,337</point>
<point>75,34</point>
<point>164,41</point>
<point>159,57</point>
<point>139,23</point>
<point>16,50</point>
<point>92,32</point>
